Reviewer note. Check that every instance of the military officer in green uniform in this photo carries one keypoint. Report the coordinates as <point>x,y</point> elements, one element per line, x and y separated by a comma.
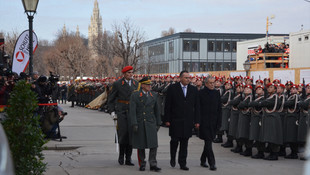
<point>145,120</point>
<point>118,103</point>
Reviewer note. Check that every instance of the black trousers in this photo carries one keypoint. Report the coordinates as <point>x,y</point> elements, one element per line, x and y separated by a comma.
<point>174,143</point>
<point>207,153</point>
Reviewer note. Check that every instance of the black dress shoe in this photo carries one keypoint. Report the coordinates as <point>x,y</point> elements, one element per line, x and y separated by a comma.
<point>155,168</point>
<point>258,156</point>
<point>227,145</point>
<point>218,140</point>
<point>291,156</point>
<point>129,163</point>
<point>204,165</point>
<point>121,161</point>
<point>185,168</point>
<point>172,162</point>
<point>142,168</point>
<point>213,167</point>
<point>271,157</point>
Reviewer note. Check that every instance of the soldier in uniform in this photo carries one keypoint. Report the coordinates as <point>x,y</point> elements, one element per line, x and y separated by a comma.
<point>145,120</point>
<point>256,118</point>
<point>226,109</point>
<point>118,103</point>
<point>291,122</point>
<point>234,117</point>
<point>303,126</point>
<point>271,130</point>
<point>282,112</point>
<point>71,93</point>
<point>244,121</point>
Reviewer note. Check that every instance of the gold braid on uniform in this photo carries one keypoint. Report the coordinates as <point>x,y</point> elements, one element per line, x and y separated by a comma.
<point>143,82</point>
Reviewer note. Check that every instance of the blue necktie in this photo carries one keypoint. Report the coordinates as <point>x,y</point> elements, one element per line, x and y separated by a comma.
<point>184,90</point>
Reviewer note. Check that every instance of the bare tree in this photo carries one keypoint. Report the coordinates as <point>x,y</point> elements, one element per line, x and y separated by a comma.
<point>189,30</point>
<point>69,56</point>
<point>128,39</point>
<point>168,32</point>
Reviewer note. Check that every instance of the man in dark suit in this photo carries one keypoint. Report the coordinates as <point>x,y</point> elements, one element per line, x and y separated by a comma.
<point>181,112</point>
<point>210,120</point>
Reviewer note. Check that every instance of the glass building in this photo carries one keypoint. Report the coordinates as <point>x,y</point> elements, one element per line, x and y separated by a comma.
<point>195,52</point>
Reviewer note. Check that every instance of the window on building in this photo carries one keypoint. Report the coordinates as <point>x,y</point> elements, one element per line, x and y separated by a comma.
<point>203,67</point>
<point>211,46</point>
<point>195,46</point>
<point>190,45</point>
<point>227,66</point>
<point>299,39</point>
<point>234,46</point>
<point>186,45</point>
<point>227,46</point>
<point>195,67</point>
<point>218,66</point>
<point>157,50</point>
<point>186,66</point>
<point>306,38</point>
<point>211,66</point>
<point>219,46</point>
<point>171,47</point>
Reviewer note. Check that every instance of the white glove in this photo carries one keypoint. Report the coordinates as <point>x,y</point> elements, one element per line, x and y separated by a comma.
<point>113,116</point>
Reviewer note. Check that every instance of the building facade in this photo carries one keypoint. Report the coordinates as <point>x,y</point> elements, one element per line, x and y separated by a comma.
<point>95,27</point>
<point>300,49</point>
<point>195,52</point>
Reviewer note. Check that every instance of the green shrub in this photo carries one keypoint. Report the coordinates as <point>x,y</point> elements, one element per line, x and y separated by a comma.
<point>23,131</point>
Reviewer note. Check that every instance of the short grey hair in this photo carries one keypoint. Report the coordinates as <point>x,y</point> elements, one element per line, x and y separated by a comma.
<point>207,78</point>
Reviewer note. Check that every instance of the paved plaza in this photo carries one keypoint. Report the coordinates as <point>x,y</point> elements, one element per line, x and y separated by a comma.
<point>90,150</point>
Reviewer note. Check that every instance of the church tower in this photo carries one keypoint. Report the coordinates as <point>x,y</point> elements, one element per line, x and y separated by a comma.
<point>95,27</point>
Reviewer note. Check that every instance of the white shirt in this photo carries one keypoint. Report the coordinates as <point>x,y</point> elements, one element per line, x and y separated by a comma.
<point>128,81</point>
<point>184,90</point>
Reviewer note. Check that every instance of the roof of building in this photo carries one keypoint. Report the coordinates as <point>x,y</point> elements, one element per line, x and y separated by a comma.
<point>211,36</point>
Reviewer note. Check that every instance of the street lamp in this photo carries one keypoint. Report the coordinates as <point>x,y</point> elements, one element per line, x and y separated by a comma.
<point>267,26</point>
<point>247,67</point>
<point>30,7</point>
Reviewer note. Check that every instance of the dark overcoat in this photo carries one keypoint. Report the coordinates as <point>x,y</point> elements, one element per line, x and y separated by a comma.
<point>256,119</point>
<point>303,122</point>
<point>71,93</point>
<point>291,119</point>
<point>182,112</point>
<point>271,129</point>
<point>144,113</point>
<point>210,113</point>
<point>120,93</point>
<point>226,108</point>
<point>234,116</point>
<point>244,118</point>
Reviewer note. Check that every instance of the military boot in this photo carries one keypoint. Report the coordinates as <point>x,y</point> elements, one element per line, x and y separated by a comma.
<point>272,156</point>
<point>259,155</point>
<point>128,155</point>
<point>121,154</point>
<point>219,139</point>
<point>228,144</point>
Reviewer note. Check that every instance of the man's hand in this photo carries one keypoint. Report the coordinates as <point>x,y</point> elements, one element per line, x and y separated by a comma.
<point>113,115</point>
<point>168,124</point>
<point>135,128</point>
<point>197,125</point>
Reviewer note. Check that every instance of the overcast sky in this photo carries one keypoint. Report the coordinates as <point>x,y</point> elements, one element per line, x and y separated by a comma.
<point>154,16</point>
